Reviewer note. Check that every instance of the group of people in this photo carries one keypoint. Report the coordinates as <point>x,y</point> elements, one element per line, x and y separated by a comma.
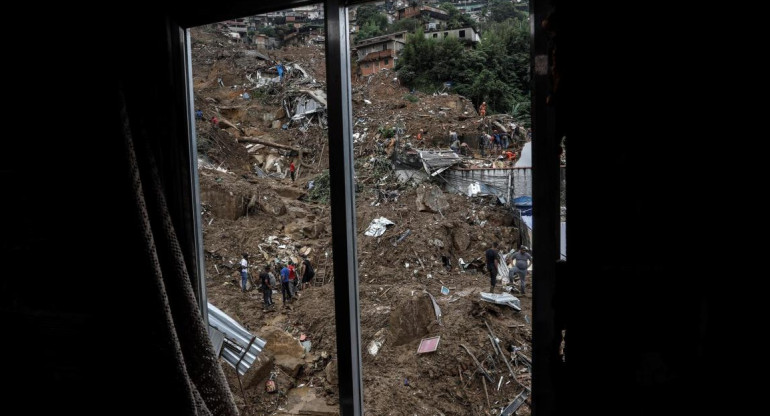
<point>291,279</point>
<point>518,262</point>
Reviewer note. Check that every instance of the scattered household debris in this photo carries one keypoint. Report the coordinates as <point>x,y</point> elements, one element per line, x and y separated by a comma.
<point>502,299</point>
<point>376,343</point>
<point>479,367</point>
<point>239,347</point>
<point>402,237</point>
<point>378,226</point>
<point>516,403</point>
<point>428,344</point>
<point>436,308</point>
<point>284,121</point>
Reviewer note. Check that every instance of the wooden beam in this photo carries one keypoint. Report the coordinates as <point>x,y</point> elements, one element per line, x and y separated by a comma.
<point>271,144</point>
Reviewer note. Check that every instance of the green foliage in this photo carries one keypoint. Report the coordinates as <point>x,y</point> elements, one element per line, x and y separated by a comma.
<point>368,30</point>
<point>411,98</point>
<point>371,22</point>
<point>410,25</point>
<point>502,10</point>
<point>321,191</point>
<point>496,71</point>
<point>365,12</point>
<point>267,31</point>
<point>457,19</point>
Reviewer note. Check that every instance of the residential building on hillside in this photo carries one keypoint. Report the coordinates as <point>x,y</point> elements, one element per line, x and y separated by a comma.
<point>463,34</point>
<point>379,52</point>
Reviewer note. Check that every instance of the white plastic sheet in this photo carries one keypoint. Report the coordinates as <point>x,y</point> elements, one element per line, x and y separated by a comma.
<point>378,226</point>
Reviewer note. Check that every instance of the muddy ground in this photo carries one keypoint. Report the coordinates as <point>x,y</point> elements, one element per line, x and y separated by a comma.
<point>250,205</point>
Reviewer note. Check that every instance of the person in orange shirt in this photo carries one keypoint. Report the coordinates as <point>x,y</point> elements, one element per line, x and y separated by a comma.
<point>483,109</point>
<point>292,169</point>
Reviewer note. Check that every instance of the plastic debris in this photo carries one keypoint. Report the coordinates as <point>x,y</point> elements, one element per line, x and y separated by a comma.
<point>378,226</point>
<point>502,299</point>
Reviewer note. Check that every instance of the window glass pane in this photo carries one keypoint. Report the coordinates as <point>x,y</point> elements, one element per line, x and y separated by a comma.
<point>259,85</point>
<point>431,202</point>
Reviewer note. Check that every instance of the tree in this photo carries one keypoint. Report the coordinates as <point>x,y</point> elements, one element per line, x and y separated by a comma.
<point>366,14</point>
<point>371,22</point>
<point>410,25</point>
<point>496,71</point>
<point>368,30</point>
<point>502,10</point>
<point>268,31</point>
<point>456,19</point>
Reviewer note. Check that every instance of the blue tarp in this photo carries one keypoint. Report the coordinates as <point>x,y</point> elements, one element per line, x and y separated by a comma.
<point>524,204</point>
<point>523,201</point>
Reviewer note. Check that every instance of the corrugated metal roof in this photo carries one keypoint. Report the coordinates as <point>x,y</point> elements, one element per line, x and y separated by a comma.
<point>236,340</point>
<point>436,162</point>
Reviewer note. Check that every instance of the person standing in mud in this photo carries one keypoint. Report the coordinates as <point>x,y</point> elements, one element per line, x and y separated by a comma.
<point>285,285</point>
<point>281,69</point>
<point>483,109</point>
<point>267,289</point>
<point>521,261</point>
<point>244,267</point>
<point>493,259</point>
<point>294,278</point>
<point>307,272</point>
<point>292,169</point>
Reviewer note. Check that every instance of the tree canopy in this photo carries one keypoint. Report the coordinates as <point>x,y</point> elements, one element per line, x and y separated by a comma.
<point>371,22</point>
<point>495,71</point>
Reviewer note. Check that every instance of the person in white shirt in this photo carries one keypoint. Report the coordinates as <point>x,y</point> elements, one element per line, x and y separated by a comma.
<point>244,266</point>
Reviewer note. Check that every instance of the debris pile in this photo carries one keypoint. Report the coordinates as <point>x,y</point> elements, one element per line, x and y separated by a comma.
<point>422,279</point>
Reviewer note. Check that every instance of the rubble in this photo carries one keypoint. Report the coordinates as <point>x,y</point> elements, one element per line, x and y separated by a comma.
<point>249,204</point>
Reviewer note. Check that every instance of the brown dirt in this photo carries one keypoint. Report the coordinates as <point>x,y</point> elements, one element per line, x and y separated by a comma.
<point>272,218</point>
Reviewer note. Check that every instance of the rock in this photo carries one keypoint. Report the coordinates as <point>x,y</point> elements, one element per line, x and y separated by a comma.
<point>285,349</point>
<point>273,206</point>
<point>331,373</point>
<point>460,239</point>
<point>259,372</point>
<point>290,365</point>
<point>431,199</point>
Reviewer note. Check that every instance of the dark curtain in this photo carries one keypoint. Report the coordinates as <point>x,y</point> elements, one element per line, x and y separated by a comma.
<point>182,349</point>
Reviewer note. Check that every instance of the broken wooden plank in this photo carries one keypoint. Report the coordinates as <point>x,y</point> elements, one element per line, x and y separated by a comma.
<point>494,345</point>
<point>524,358</point>
<point>484,381</point>
<point>226,123</point>
<point>272,144</point>
<point>500,351</point>
<point>478,364</point>
<point>419,259</point>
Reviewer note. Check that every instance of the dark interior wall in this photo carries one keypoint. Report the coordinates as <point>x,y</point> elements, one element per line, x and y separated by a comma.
<point>639,314</point>
<point>641,285</point>
<point>75,294</point>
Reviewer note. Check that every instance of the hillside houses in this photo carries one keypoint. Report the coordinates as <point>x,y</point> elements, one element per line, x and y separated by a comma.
<point>468,34</point>
<point>379,52</point>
